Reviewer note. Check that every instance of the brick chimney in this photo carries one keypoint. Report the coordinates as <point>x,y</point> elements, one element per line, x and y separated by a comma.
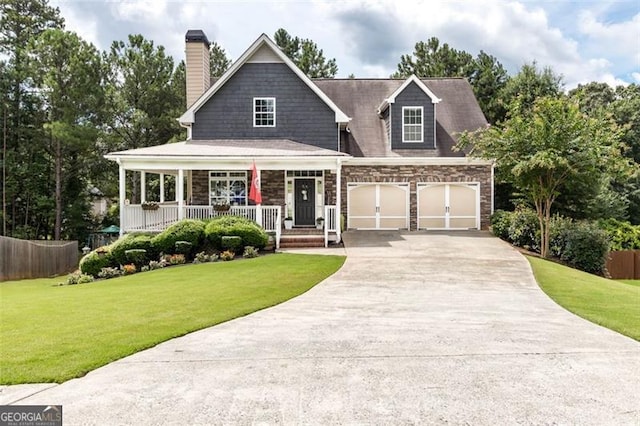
<point>197,65</point>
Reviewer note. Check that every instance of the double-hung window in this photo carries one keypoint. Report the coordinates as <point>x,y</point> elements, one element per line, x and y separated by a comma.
<point>264,112</point>
<point>228,188</point>
<point>412,129</point>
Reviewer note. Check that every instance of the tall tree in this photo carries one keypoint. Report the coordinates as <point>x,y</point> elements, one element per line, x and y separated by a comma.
<point>543,148</point>
<point>141,99</point>
<point>219,62</point>
<point>623,104</point>
<point>432,59</point>
<point>485,73</point>
<point>306,55</point>
<point>70,78</point>
<point>529,84</point>
<point>24,159</point>
<point>488,78</point>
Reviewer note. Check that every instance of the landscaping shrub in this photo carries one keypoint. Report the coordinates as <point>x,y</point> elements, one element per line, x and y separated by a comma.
<point>110,272</point>
<point>524,230</point>
<point>250,252</point>
<point>94,261</point>
<point>132,242</point>
<point>129,269</point>
<point>175,259</point>
<point>586,247</point>
<point>203,257</point>
<point>559,228</point>
<point>622,235</point>
<point>183,247</point>
<point>189,230</point>
<point>136,256</point>
<point>500,223</point>
<point>153,265</point>
<point>227,255</point>
<point>232,242</point>
<point>249,231</point>
<point>79,278</point>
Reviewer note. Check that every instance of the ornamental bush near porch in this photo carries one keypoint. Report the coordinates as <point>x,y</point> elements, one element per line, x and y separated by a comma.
<point>189,230</point>
<point>224,226</point>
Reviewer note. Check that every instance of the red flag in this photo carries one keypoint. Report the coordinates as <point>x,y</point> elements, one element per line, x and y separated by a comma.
<point>254,191</point>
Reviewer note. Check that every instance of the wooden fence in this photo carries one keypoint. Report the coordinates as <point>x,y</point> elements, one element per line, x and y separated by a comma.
<point>36,259</point>
<point>624,265</point>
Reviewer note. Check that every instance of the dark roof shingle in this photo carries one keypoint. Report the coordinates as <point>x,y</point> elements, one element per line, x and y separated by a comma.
<point>360,98</point>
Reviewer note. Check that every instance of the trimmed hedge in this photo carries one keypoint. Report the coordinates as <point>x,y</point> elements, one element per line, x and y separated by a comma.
<point>586,247</point>
<point>93,262</point>
<point>500,223</point>
<point>188,230</point>
<point>249,231</point>
<point>231,242</point>
<point>524,230</point>
<point>132,242</point>
<point>137,256</point>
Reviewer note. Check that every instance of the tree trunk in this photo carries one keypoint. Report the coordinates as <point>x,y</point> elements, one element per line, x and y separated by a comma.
<point>58,195</point>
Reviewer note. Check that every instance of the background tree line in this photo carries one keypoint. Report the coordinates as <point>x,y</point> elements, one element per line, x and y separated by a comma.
<point>64,104</point>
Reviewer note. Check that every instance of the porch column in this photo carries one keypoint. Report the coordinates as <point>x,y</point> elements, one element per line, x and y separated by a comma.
<point>122,193</point>
<point>162,187</point>
<point>143,187</point>
<point>180,193</point>
<point>258,206</point>
<point>338,199</point>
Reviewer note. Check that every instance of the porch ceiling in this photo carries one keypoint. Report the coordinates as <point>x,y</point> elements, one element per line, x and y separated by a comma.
<point>228,154</point>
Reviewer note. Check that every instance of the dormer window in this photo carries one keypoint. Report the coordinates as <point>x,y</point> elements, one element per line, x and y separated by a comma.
<point>264,112</point>
<point>412,124</point>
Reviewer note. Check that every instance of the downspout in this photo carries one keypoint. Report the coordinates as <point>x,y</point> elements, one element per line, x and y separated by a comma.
<point>493,166</point>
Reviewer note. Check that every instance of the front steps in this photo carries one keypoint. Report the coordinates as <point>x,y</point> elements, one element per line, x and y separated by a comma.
<point>302,238</point>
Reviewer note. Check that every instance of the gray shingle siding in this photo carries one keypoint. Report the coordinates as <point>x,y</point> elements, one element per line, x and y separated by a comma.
<point>412,96</point>
<point>300,114</point>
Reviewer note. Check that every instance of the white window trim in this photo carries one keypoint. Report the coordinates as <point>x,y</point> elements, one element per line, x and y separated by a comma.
<point>421,123</point>
<point>228,178</point>
<point>253,108</point>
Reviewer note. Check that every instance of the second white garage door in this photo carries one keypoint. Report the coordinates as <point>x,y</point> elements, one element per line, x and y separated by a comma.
<point>377,205</point>
<point>448,206</point>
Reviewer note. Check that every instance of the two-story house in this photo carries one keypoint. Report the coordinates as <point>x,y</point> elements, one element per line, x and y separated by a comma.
<point>358,153</point>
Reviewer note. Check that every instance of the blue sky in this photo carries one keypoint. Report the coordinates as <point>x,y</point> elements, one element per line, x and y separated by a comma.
<point>582,40</point>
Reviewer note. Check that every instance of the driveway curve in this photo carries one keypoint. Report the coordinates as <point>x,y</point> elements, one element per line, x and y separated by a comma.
<point>416,328</point>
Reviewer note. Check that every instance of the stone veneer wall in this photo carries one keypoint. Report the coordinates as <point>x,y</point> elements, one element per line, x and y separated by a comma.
<point>200,187</point>
<point>418,174</point>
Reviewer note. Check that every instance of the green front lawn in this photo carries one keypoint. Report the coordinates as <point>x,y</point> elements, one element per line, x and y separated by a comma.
<point>631,282</point>
<point>612,304</point>
<point>52,334</point>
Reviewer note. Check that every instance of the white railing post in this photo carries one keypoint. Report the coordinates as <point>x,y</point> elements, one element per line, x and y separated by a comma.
<point>327,224</point>
<point>278,226</point>
<point>338,198</point>
<point>259,215</point>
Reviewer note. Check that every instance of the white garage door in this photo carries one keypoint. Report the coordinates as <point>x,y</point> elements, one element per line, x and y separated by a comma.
<point>378,206</point>
<point>448,206</point>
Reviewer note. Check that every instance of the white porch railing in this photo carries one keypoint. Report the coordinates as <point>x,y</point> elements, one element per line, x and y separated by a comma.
<point>137,219</point>
<point>331,223</point>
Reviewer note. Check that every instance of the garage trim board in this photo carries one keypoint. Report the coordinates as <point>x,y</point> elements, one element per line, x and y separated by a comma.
<point>378,205</point>
<point>448,206</point>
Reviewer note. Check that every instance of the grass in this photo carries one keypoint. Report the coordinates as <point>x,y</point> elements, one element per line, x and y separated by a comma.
<point>612,304</point>
<point>54,333</point>
<point>630,282</point>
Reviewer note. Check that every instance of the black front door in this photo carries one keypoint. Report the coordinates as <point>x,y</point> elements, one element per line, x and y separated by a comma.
<point>305,201</point>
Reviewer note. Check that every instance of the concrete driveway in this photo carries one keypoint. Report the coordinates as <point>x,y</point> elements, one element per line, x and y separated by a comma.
<point>416,328</point>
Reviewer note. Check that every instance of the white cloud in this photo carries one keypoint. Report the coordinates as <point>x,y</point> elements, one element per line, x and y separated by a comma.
<point>636,76</point>
<point>367,37</point>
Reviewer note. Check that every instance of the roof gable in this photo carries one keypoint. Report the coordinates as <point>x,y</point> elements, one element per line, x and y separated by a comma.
<point>266,51</point>
<point>412,79</point>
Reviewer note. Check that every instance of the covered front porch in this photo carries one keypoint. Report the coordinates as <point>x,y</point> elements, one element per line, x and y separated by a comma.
<point>299,190</point>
